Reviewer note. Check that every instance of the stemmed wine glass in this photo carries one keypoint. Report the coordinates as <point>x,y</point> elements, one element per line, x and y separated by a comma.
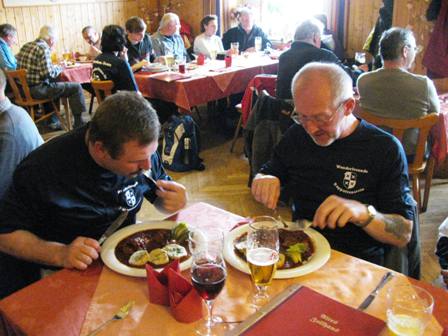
<point>208,271</point>
<point>262,254</point>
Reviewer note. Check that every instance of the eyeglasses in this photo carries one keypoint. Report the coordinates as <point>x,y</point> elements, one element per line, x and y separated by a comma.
<point>417,49</point>
<point>318,120</point>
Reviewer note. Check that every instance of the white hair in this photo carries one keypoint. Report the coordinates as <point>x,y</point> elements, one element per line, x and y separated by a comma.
<point>167,18</point>
<point>306,29</point>
<point>340,83</point>
<point>47,32</point>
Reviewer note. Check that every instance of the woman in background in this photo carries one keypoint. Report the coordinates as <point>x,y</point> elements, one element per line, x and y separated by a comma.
<point>208,43</point>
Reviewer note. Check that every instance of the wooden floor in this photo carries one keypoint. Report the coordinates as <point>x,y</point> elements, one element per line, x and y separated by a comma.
<point>224,184</point>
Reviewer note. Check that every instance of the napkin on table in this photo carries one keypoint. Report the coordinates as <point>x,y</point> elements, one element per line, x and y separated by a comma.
<point>158,283</point>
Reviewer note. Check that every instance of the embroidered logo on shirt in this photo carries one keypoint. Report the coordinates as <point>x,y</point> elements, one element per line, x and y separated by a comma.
<point>128,196</point>
<point>350,180</point>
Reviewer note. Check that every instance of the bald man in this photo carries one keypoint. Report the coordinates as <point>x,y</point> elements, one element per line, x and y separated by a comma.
<point>347,176</point>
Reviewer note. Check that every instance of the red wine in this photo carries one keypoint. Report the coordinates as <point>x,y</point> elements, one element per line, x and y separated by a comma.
<point>208,280</point>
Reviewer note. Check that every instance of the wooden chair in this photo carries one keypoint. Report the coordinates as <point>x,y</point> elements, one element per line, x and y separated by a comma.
<point>102,89</point>
<point>22,97</point>
<point>238,127</point>
<point>418,166</point>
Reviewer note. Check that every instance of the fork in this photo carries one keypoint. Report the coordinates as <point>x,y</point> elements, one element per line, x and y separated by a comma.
<point>299,224</point>
<point>119,315</point>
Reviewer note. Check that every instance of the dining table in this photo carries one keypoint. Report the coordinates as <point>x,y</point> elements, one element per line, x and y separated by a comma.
<point>77,72</point>
<point>71,302</point>
<point>439,135</point>
<point>204,83</point>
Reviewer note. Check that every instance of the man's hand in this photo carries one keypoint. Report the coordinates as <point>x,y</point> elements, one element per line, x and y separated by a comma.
<point>266,190</point>
<point>80,253</point>
<point>337,212</point>
<point>173,195</point>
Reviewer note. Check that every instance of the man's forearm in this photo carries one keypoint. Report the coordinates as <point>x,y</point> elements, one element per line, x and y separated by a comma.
<point>27,246</point>
<point>391,229</point>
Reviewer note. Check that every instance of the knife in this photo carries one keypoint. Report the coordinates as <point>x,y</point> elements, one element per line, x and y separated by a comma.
<point>114,226</point>
<point>368,300</point>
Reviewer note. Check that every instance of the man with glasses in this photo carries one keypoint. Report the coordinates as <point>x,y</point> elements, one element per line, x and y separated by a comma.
<point>347,176</point>
<point>394,92</point>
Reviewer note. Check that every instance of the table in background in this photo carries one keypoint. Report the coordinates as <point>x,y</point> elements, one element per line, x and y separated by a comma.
<point>439,135</point>
<point>73,303</point>
<point>206,83</point>
<point>79,73</point>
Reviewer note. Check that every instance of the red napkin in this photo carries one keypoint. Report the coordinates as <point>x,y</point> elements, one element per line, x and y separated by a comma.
<point>158,283</point>
<point>170,288</point>
<point>185,302</point>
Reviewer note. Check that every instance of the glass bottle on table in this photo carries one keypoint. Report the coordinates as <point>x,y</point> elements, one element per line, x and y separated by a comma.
<point>208,273</point>
<point>262,253</point>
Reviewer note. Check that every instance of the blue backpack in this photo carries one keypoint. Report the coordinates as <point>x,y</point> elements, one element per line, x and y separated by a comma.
<point>181,145</point>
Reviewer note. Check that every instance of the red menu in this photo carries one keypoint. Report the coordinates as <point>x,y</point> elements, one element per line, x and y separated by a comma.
<point>309,313</point>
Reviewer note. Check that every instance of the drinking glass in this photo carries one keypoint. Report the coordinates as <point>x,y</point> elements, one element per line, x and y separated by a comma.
<point>360,58</point>
<point>234,48</point>
<point>409,310</point>
<point>213,54</point>
<point>262,255</point>
<point>169,61</point>
<point>208,272</point>
<point>258,43</point>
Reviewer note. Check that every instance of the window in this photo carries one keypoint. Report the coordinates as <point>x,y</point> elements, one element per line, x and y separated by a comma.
<point>279,18</point>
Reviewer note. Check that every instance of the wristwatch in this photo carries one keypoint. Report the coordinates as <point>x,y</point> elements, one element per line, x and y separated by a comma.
<point>371,211</point>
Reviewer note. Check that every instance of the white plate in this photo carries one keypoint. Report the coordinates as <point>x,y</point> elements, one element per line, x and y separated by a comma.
<point>108,248</point>
<point>321,255</point>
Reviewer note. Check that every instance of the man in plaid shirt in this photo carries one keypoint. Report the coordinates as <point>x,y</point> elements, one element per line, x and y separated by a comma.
<point>41,76</point>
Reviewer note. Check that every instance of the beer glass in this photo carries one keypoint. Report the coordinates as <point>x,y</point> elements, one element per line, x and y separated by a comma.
<point>234,48</point>
<point>262,253</point>
<point>258,43</point>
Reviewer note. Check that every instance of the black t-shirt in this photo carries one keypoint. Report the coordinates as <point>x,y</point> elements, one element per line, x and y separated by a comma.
<point>368,166</point>
<point>107,66</point>
<point>246,41</point>
<point>59,192</point>
<point>140,51</point>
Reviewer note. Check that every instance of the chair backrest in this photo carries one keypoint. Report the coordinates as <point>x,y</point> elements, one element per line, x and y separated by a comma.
<point>399,126</point>
<point>102,89</point>
<point>19,85</point>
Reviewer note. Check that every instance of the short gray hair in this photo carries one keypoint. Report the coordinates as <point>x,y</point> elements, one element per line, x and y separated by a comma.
<point>47,32</point>
<point>7,29</point>
<point>306,29</point>
<point>167,18</point>
<point>244,10</point>
<point>340,83</point>
<point>393,41</point>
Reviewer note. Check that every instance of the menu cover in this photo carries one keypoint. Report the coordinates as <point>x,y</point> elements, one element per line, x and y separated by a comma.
<point>169,76</point>
<point>308,313</point>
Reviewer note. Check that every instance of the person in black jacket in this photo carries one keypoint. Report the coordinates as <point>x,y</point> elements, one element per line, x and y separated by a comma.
<point>305,49</point>
<point>245,33</point>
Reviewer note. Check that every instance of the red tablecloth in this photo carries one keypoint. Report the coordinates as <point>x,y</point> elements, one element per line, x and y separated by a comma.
<point>204,86</point>
<point>73,303</point>
<point>79,73</point>
<point>259,82</point>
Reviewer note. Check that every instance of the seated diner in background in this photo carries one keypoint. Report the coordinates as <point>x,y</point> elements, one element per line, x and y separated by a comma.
<point>329,164</point>
<point>167,40</point>
<point>138,43</point>
<point>112,64</point>
<point>306,48</point>
<point>329,40</point>
<point>208,43</point>
<point>442,251</point>
<point>8,38</point>
<point>42,75</point>
<point>393,91</point>
<point>245,33</point>
<point>93,39</point>
<point>66,193</point>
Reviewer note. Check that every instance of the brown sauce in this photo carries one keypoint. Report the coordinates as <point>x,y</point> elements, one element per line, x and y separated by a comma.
<point>145,240</point>
<point>286,239</point>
